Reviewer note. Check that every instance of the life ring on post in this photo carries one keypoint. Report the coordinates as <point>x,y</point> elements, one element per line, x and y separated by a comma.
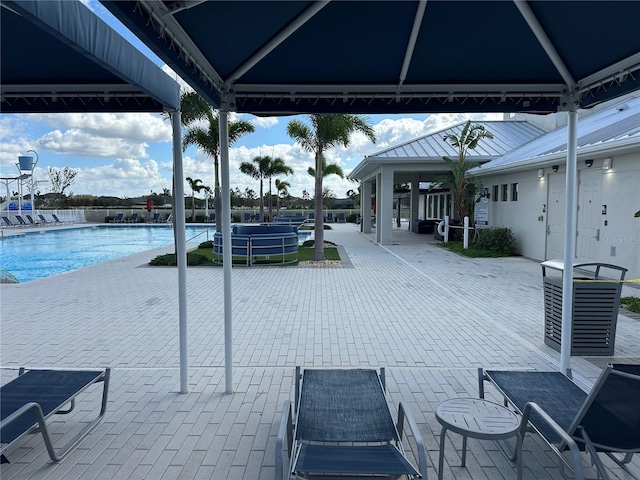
<point>441,228</point>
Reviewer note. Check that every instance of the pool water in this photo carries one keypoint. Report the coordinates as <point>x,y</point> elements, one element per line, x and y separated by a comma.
<point>37,255</point>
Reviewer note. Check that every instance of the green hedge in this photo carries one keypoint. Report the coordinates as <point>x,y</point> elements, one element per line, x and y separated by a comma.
<point>496,239</point>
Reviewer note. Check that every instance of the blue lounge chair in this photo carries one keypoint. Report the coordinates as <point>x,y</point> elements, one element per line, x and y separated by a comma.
<point>212,218</point>
<point>156,218</point>
<point>30,399</point>
<point>7,222</point>
<point>133,218</point>
<point>607,419</point>
<point>21,221</point>
<point>56,219</point>
<point>329,217</point>
<point>31,221</point>
<point>257,217</point>
<point>247,217</point>
<point>43,219</point>
<point>119,218</point>
<point>342,425</point>
<point>342,218</point>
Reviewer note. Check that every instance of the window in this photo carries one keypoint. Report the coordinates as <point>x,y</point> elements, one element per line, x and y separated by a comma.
<point>494,193</point>
<point>439,205</point>
<point>505,193</point>
<point>514,192</point>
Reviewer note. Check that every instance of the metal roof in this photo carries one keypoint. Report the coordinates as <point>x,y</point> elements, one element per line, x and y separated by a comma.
<point>273,57</point>
<point>58,56</point>
<point>425,153</point>
<point>507,135</point>
<point>616,124</point>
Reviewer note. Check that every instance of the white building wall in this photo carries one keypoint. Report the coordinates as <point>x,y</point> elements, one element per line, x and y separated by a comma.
<point>620,193</point>
<point>524,216</point>
<point>620,238</point>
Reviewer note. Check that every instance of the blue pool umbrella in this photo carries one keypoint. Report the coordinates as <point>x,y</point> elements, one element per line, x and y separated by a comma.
<point>409,57</point>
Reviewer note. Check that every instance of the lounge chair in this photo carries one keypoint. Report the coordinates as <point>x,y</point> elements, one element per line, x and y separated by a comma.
<point>247,217</point>
<point>329,217</point>
<point>133,218</point>
<point>156,218</point>
<point>21,221</point>
<point>31,398</point>
<point>342,218</point>
<point>43,219</point>
<point>119,218</point>
<point>342,426</point>
<point>7,222</point>
<point>607,419</point>
<point>257,217</point>
<point>32,222</point>
<point>56,220</point>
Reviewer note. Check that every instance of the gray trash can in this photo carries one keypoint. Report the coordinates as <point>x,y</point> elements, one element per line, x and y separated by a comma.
<point>595,306</point>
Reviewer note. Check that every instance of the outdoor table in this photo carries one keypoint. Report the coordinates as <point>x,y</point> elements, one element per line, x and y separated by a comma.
<point>477,418</point>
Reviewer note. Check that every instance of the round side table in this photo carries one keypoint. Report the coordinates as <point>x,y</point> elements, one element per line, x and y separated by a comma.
<point>481,419</point>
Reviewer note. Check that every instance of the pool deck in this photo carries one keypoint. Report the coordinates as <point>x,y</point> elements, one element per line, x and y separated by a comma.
<point>429,316</point>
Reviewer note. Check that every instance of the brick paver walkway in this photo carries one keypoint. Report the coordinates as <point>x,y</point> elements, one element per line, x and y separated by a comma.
<point>427,315</point>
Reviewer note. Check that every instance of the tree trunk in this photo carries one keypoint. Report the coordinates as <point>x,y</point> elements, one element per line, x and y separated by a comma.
<point>261,202</point>
<point>318,252</point>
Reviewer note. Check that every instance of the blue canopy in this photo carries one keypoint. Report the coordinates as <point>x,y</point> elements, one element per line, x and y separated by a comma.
<point>58,56</point>
<point>373,56</point>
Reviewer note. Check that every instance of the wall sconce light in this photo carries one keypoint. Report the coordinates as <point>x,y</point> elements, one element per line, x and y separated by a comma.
<point>588,163</point>
<point>544,207</point>
<point>555,168</point>
<point>540,172</point>
<point>604,209</point>
<point>606,165</point>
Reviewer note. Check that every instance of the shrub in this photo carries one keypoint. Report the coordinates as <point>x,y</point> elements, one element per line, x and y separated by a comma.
<point>207,244</point>
<point>631,303</point>
<point>353,218</point>
<point>496,239</point>
<point>169,260</point>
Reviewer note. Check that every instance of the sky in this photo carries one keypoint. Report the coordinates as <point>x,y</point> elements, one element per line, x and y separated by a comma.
<point>129,154</point>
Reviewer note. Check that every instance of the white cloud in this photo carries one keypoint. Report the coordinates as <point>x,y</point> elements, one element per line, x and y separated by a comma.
<point>139,127</point>
<point>80,143</point>
<point>123,178</point>
<point>264,122</point>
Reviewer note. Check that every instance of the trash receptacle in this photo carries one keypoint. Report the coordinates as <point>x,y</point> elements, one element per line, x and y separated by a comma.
<point>595,306</point>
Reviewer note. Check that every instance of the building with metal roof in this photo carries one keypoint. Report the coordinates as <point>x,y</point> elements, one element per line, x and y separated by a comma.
<point>523,171</point>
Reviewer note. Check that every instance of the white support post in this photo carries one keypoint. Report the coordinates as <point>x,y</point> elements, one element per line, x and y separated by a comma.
<point>465,242</point>
<point>181,249</point>
<point>225,224</point>
<point>569,242</point>
<point>446,228</point>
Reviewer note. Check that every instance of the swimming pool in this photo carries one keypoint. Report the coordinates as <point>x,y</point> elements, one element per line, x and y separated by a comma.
<point>38,255</point>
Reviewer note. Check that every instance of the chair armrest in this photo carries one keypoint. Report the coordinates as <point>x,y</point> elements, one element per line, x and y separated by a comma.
<point>566,438</point>
<point>285,429</point>
<point>403,414</point>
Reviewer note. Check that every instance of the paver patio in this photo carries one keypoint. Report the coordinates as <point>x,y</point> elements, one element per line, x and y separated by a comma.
<point>427,315</point>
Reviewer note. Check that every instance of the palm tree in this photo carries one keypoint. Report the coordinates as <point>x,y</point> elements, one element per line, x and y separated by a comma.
<point>258,170</point>
<point>464,185</point>
<point>326,131</point>
<point>282,187</point>
<point>194,108</point>
<point>196,187</point>
<point>327,169</point>
<point>275,168</point>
